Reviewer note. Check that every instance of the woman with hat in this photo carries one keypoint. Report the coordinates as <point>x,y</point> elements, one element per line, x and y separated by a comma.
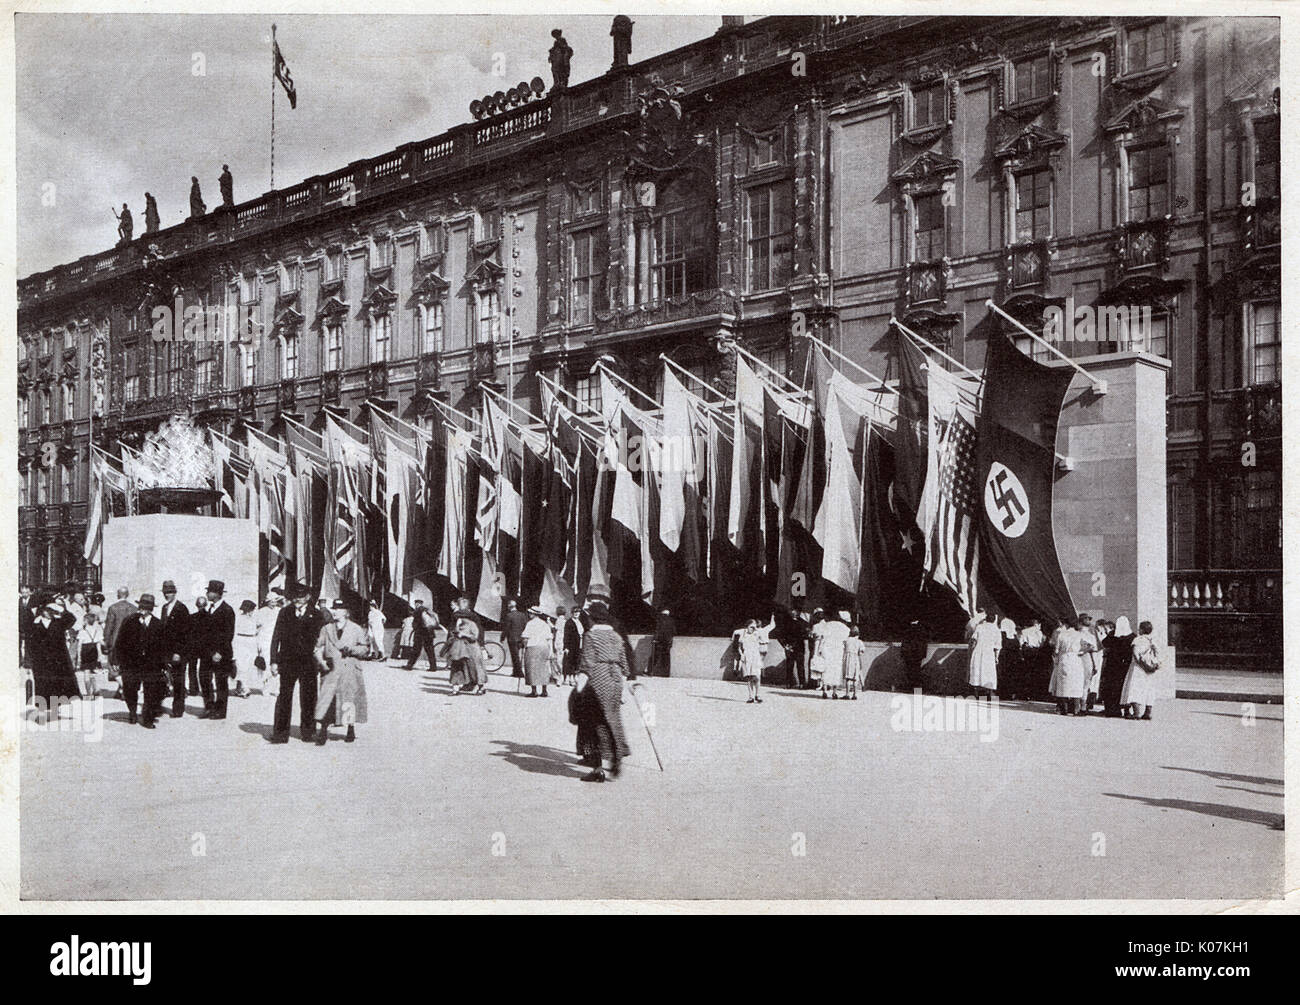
<point>596,700</point>
<point>828,653</point>
<point>341,697</point>
<point>538,640</point>
<point>47,647</point>
<point>464,654</point>
<point>245,648</point>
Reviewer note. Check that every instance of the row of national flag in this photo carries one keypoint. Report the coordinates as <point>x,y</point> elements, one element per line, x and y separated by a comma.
<point>862,496</point>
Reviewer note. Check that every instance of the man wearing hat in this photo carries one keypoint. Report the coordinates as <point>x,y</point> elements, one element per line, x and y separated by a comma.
<point>176,632</point>
<point>293,647</point>
<point>142,650</point>
<point>218,653</point>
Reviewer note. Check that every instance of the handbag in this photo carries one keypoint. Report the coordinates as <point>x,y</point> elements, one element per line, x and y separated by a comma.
<point>1150,659</point>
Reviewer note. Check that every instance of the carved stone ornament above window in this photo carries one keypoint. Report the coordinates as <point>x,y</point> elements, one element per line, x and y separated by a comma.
<point>287,323</point>
<point>380,300</point>
<point>1030,145</point>
<point>431,288</point>
<point>1147,115</point>
<point>487,275</point>
<point>926,171</point>
<point>934,327</point>
<point>333,309</point>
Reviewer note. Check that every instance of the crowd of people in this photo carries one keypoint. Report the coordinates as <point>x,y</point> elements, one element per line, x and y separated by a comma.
<point>159,651</point>
<point>290,644</point>
<point>1083,663</point>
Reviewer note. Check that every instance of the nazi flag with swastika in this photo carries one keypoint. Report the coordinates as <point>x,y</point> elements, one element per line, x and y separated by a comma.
<point>1015,471</point>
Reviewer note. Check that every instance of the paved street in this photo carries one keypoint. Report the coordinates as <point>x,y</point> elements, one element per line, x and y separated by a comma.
<point>463,797</point>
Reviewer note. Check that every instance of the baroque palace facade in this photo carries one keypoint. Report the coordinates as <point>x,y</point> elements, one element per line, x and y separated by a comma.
<point>792,173</point>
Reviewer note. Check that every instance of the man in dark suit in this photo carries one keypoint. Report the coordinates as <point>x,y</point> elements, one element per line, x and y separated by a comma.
<point>293,646</point>
<point>193,655</point>
<point>176,631</point>
<point>114,618</point>
<point>218,652</point>
<point>142,649</point>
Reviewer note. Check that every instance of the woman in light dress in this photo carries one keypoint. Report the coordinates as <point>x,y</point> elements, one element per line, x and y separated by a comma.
<point>855,663</point>
<point>247,676</point>
<point>341,695</point>
<point>751,645</point>
<point>985,645</point>
<point>1139,685</point>
<point>827,662</point>
<point>539,651</point>
<point>1069,676</point>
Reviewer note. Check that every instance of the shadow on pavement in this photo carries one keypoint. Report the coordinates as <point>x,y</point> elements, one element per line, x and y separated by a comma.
<point>1274,821</point>
<point>1223,776</point>
<point>540,760</point>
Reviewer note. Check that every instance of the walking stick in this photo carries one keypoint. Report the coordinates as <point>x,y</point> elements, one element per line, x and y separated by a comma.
<point>633,687</point>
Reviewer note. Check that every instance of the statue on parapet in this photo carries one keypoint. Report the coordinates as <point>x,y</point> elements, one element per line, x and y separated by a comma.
<point>150,214</point>
<point>560,56</point>
<point>197,206</point>
<point>125,225</point>
<point>227,182</point>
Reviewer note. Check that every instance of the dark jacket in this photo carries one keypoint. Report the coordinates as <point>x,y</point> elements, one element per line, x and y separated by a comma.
<point>114,618</point>
<point>293,643</point>
<point>572,638</point>
<point>47,648</point>
<point>219,632</point>
<point>176,631</point>
<point>142,650</point>
<point>514,625</point>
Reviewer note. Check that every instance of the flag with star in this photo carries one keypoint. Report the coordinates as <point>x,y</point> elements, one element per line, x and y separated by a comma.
<point>953,548</point>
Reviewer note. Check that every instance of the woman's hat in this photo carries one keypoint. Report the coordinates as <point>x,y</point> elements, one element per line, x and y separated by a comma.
<point>538,611</point>
<point>845,617</point>
<point>247,606</point>
<point>338,605</point>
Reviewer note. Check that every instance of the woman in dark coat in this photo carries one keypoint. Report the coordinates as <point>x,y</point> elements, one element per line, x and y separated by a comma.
<point>602,668</point>
<point>47,647</point>
<point>1117,654</point>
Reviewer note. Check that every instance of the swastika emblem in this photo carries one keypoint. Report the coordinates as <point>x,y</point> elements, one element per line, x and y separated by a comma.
<point>1005,501</point>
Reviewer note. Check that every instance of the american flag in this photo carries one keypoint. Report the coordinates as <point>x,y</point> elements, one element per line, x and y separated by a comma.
<point>953,558</point>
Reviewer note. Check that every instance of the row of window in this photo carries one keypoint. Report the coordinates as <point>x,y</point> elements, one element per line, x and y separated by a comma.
<point>44,401</point>
<point>1143,47</point>
<point>39,486</point>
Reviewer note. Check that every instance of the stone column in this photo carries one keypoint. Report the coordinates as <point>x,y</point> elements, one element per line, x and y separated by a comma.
<point>1109,511</point>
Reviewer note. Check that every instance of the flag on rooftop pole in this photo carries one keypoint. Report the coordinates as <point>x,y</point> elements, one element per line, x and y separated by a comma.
<point>282,73</point>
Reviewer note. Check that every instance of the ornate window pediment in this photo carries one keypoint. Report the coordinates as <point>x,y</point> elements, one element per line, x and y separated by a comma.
<point>1147,115</point>
<point>333,309</point>
<point>486,275</point>
<point>287,323</point>
<point>926,170</point>
<point>431,288</point>
<point>380,300</point>
<point>1029,145</point>
<point>935,327</point>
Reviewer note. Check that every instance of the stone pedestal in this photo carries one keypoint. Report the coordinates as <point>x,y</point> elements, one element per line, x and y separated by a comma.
<point>142,551</point>
<point>1109,511</point>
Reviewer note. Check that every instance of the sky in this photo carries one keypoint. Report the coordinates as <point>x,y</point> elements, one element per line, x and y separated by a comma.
<point>112,106</point>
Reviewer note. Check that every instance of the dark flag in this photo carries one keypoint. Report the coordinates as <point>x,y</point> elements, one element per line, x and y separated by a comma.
<point>282,72</point>
<point>912,440</point>
<point>1016,463</point>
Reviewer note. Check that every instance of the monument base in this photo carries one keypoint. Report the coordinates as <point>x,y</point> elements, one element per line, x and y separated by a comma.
<point>142,551</point>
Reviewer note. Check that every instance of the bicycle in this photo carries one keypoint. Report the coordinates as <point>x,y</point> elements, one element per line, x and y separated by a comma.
<point>494,654</point>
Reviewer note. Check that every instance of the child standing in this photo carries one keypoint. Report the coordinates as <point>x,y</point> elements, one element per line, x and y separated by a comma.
<point>855,663</point>
<point>90,648</point>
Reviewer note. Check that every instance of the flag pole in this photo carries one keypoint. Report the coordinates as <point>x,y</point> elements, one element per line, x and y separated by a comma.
<point>272,107</point>
<point>1098,385</point>
<point>930,345</point>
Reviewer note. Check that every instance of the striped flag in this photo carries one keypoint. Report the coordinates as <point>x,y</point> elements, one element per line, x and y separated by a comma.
<point>953,552</point>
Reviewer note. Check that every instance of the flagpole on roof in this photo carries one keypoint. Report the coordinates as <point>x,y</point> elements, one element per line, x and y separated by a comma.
<point>273,68</point>
<point>1098,385</point>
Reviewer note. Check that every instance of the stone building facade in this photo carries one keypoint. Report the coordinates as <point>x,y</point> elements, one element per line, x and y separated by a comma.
<point>820,174</point>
